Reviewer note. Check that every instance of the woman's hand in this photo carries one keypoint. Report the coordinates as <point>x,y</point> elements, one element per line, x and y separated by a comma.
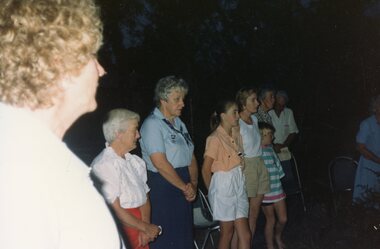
<point>151,231</point>
<point>143,239</point>
<point>190,192</point>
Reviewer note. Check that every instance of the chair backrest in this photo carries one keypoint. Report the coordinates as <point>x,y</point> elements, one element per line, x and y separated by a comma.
<point>202,213</point>
<point>342,172</point>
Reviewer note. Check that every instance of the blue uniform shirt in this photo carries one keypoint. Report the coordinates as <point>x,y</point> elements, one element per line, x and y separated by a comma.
<point>158,135</point>
<point>366,174</point>
<point>369,134</point>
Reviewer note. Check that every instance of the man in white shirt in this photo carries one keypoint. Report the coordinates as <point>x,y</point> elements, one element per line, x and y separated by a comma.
<point>284,123</point>
<point>48,78</point>
<point>285,134</point>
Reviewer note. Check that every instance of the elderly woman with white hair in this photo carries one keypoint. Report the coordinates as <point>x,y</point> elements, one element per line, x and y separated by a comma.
<point>124,177</point>
<point>368,144</point>
<point>172,168</point>
<point>266,98</point>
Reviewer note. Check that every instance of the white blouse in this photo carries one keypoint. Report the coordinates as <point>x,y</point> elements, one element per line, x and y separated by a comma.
<point>251,138</point>
<point>122,178</point>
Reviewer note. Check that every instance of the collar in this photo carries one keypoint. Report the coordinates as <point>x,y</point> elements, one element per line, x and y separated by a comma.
<point>156,112</point>
<point>222,131</point>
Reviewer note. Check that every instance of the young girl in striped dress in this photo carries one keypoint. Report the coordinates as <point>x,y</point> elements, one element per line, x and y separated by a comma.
<point>274,202</point>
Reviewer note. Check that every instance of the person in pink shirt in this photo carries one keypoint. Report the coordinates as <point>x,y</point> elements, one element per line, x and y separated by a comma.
<point>223,176</point>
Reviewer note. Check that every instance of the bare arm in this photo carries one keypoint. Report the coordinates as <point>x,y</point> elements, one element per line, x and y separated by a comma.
<point>164,167</point>
<point>287,142</point>
<point>367,153</point>
<point>167,171</point>
<point>129,220</point>
<point>206,170</point>
<point>193,171</point>
<point>145,210</point>
<point>145,216</point>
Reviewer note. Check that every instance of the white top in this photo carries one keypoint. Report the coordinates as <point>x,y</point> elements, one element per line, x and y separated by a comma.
<point>122,178</point>
<point>284,125</point>
<point>251,138</point>
<point>47,199</point>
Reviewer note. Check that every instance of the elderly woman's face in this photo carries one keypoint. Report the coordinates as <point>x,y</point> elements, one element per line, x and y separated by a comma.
<point>269,100</point>
<point>129,137</point>
<point>172,107</point>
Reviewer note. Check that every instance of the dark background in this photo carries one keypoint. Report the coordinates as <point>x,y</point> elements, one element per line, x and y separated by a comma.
<point>325,53</point>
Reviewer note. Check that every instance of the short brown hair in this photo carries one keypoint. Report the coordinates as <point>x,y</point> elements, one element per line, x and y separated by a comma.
<point>242,95</point>
<point>42,41</point>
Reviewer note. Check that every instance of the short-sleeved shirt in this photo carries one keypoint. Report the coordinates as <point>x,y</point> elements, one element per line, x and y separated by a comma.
<point>251,138</point>
<point>272,163</point>
<point>369,134</point>
<point>366,173</point>
<point>160,136</point>
<point>224,149</point>
<point>122,178</point>
<point>284,125</point>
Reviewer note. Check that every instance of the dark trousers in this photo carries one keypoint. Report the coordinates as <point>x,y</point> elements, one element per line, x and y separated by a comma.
<point>171,211</point>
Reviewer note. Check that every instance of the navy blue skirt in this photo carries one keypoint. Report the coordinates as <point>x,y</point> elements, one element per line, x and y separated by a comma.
<point>171,211</point>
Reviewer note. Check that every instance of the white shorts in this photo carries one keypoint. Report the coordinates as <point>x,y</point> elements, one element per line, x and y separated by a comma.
<point>228,196</point>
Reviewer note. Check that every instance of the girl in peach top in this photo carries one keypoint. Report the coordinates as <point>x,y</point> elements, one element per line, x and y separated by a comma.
<point>222,174</point>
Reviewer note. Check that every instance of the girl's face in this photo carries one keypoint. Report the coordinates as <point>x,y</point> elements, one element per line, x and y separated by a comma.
<point>266,137</point>
<point>231,116</point>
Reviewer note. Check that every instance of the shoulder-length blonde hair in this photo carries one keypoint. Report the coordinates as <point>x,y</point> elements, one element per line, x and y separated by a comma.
<point>42,41</point>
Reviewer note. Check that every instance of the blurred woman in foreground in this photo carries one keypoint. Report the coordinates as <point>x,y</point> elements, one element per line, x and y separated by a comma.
<point>48,79</point>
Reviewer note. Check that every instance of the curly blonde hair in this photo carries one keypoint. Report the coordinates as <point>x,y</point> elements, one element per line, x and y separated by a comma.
<point>42,41</point>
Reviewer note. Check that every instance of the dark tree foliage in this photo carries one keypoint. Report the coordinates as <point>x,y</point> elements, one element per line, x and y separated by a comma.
<point>324,53</point>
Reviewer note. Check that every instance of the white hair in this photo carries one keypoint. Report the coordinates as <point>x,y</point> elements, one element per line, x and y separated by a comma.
<point>117,121</point>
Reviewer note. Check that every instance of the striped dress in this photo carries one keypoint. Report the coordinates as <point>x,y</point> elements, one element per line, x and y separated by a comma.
<point>275,174</point>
